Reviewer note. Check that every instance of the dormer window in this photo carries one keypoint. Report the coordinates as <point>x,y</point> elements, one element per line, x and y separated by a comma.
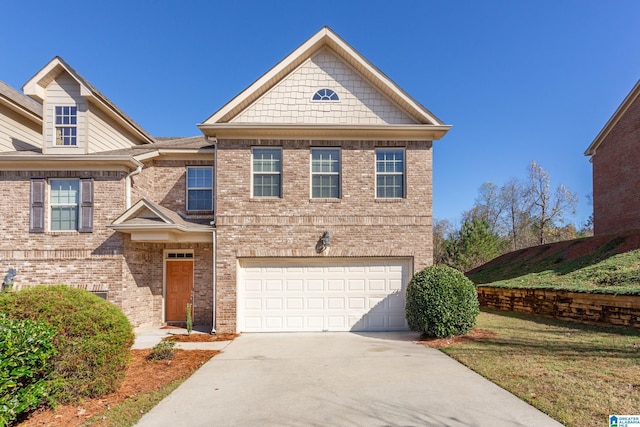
<point>66,125</point>
<point>325,95</point>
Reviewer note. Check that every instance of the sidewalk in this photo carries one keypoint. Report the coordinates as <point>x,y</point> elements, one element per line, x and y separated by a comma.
<point>149,336</point>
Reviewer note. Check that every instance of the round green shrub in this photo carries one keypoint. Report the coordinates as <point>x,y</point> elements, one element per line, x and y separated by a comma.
<point>441,302</point>
<point>92,340</point>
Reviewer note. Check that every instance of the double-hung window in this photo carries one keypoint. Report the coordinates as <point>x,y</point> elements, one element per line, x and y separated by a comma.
<point>325,173</point>
<point>266,171</point>
<point>199,188</point>
<point>66,125</point>
<point>65,197</point>
<point>390,173</point>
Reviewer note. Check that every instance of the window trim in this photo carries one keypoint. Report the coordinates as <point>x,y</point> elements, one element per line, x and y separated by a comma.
<point>254,173</point>
<point>187,188</point>
<point>338,173</point>
<point>56,125</point>
<point>403,173</point>
<point>51,205</point>
<point>332,95</point>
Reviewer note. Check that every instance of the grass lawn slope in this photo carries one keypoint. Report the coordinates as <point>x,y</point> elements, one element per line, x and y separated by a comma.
<point>603,264</point>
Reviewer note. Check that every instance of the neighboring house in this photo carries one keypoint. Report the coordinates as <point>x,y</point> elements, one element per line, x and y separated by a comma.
<point>615,155</point>
<point>305,206</point>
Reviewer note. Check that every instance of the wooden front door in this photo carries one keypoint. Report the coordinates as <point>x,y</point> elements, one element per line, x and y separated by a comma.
<point>179,289</point>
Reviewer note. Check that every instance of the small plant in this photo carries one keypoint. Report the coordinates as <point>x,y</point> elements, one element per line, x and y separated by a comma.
<point>441,302</point>
<point>164,350</point>
<point>26,348</point>
<point>189,320</point>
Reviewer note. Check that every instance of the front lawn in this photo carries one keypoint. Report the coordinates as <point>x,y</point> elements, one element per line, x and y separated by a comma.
<point>577,374</point>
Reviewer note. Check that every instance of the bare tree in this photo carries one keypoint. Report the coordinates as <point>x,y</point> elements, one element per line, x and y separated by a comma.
<point>489,206</point>
<point>515,214</point>
<point>547,208</point>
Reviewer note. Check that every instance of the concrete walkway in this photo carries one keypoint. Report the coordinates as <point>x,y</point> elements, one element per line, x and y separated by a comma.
<point>148,336</point>
<point>339,379</point>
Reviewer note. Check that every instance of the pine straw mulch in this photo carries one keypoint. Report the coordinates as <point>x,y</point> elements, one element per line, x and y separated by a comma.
<point>142,376</point>
<point>475,335</point>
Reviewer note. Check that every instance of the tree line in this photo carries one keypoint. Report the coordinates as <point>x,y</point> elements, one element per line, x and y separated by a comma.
<point>518,214</point>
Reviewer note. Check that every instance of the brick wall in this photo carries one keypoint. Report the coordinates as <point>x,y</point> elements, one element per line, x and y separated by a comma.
<point>360,225</point>
<point>616,204</point>
<point>619,310</point>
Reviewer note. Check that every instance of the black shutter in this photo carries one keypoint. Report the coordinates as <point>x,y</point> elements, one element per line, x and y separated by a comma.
<point>36,220</point>
<point>85,216</point>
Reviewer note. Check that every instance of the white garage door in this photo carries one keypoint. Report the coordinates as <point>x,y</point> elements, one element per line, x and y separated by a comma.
<point>322,295</point>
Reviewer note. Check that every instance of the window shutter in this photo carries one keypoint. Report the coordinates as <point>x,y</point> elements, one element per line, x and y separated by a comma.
<point>85,216</point>
<point>36,220</point>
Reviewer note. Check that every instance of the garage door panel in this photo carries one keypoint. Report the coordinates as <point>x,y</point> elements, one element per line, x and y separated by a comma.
<point>322,295</point>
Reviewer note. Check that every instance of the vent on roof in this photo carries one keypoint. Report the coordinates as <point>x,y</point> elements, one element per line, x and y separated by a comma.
<point>325,95</point>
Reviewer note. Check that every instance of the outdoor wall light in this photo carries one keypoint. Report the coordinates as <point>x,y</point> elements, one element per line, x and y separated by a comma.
<point>324,242</point>
<point>7,283</point>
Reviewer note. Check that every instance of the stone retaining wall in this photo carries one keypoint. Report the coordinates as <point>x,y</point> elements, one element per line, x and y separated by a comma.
<point>619,310</point>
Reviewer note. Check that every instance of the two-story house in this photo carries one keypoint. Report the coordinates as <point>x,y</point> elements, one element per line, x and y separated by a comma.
<point>615,156</point>
<point>304,206</point>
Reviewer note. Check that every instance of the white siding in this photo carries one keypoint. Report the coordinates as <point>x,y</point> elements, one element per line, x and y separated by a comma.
<point>64,90</point>
<point>18,133</point>
<point>290,100</point>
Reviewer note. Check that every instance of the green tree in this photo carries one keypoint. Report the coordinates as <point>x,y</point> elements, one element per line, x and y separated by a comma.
<point>477,244</point>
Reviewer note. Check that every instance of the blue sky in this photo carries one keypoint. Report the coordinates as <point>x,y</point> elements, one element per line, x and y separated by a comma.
<point>518,80</point>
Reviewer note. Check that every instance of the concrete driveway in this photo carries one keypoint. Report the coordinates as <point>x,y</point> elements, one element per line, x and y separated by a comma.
<point>338,379</point>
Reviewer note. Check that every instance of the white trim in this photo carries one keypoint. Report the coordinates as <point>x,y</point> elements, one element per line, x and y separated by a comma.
<point>253,173</point>
<point>186,190</point>
<point>404,173</point>
<point>50,205</point>
<point>312,173</point>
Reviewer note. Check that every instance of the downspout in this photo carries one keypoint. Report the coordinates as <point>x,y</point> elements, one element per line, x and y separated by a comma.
<point>215,236</point>
<point>127,183</point>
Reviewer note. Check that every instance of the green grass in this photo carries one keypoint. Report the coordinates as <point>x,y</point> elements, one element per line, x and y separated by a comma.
<point>132,409</point>
<point>600,272</point>
<point>577,374</point>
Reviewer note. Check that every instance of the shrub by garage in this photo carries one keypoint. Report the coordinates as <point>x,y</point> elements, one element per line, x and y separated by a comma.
<point>92,340</point>
<point>441,302</point>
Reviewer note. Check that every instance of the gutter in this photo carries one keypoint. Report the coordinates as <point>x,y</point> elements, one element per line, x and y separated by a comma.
<point>215,234</point>
<point>127,184</point>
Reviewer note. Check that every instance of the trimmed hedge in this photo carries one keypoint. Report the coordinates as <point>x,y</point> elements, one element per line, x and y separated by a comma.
<point>26,348</point>
<point>441,302</point>
<point>93,338</point>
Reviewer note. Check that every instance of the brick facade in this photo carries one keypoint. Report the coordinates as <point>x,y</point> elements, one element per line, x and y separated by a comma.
<point>616,201</point>
<point>360,225</point>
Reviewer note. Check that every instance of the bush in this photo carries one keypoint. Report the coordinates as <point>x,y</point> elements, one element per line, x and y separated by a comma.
<point>93,338</point>
<point>26,348</point>
<point>441,302</point>
<point>162,351</point>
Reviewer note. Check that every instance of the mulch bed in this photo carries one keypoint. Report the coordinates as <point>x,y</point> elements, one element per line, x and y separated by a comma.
<point>142,376</point>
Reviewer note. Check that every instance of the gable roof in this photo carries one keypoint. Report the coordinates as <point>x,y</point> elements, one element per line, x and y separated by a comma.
<point>615,118</point>
<point>20,103</point>
<point>148,221</point>
<point>35,88</point>
<point>428,125</point>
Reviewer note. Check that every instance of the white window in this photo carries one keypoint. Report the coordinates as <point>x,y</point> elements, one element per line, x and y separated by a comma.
<point>266,171</point>
<point>199,188</point>
<point>390,173</point>
<point>325,95</point>
<point>66,125</point>
<point>325,173</point>
<point>65,195</point>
